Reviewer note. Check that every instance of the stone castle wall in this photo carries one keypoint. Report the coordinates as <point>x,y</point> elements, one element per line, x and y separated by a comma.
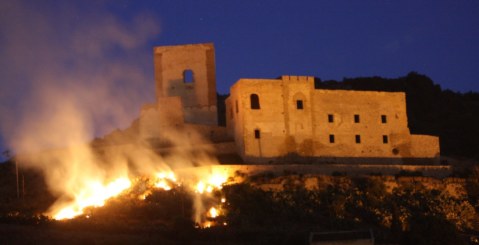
<point>296,119</point>
<point>280,120</point>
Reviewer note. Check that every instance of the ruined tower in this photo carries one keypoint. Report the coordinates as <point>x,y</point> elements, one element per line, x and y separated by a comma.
<point>188,72</point>
<point>185,94</point>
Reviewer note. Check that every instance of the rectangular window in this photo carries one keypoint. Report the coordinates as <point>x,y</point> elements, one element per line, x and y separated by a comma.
<point>384,119</point>
<point>330,118</point>
<point>356,118</point>
<point>299,104</point>
<point>358,139</point>
<point>385,139</point>
<point>257,134</point>
<point>331,138</point>
<point>236,105</point>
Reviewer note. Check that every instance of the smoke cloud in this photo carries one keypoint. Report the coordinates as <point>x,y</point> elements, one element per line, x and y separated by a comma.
<point>88,66</point>
<point>69,74</point>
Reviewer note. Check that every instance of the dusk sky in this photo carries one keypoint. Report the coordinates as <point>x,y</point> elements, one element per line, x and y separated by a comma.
<point>103,49</point>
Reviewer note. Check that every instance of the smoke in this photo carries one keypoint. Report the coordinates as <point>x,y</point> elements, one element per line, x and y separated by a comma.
<point>69,74</point>
<point>58,53</point>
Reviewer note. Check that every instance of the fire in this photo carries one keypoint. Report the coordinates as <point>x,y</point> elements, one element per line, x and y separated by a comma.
<point>215,181</point>
<point>164,180</point>
<point>213,212</point>
<point>94,195</point>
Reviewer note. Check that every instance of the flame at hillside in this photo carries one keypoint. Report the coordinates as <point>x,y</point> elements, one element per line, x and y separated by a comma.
<point>94,195</point>
<point>81,175</point>
<point>97,194</point>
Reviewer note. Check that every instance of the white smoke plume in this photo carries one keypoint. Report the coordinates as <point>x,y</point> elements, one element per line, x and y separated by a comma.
<point>68,75</point>
<point>59,54</point>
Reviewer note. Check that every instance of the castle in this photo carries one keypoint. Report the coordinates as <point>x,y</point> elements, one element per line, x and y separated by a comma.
<point>287,119</point>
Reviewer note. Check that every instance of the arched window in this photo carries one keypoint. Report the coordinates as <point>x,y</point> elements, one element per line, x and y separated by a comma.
<point>188,76</point>
<point>254,101</point>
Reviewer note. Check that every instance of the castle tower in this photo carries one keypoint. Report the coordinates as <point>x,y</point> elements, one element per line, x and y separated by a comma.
<point>188,72</point>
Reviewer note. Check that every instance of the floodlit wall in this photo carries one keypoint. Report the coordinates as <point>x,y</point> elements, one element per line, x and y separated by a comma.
<point>362,123</point>
<point>425,146</point>
<point>188,71</point>
<point>288,117</point>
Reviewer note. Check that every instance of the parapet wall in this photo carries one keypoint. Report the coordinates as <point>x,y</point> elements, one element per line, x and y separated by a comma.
<point>306,79</point>
<point>425,146</point>
<point>329,169</point>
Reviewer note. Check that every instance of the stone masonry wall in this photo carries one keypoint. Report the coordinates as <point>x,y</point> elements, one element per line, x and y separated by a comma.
<point>294,119</point>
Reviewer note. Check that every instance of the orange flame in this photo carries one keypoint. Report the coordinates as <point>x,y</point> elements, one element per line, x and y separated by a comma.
<point>164,180</point>
<point>215,181</point>
<point>94,195</point>
<point>213,212</point>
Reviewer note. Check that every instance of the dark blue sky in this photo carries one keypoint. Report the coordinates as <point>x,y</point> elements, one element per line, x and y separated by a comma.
<point>103,49</point>
<point>331,39</point>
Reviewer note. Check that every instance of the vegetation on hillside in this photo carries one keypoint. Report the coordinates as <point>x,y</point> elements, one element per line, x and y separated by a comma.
<point>411,212</point>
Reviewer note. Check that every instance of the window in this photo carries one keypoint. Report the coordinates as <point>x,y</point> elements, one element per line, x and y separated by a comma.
<point>358,139</point>
<point>384,119</point>
<point>330,118</point>
<point>331,138</point>
<point>356,118</point>
<point>188,76</point>
<point>385,139</point>
<point>257,134</point>
<point>299,104</point>
<point>236,105</point>
<point>254,99</point>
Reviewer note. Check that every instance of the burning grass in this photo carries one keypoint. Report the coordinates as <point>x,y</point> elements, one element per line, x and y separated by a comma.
<point>195,195</point>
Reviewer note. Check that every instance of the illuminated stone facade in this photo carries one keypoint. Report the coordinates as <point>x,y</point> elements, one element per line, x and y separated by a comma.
<point>185,94</point>
<point>288,119</point>
<point>280,120</point>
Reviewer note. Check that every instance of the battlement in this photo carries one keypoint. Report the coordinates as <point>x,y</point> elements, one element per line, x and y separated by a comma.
<point>287,78</point>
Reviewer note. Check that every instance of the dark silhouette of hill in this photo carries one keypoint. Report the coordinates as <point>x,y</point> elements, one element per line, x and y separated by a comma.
<point>452,116</point>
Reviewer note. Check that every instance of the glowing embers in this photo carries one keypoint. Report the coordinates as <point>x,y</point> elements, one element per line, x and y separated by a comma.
<point>94,194</point>
<point>214,216</point>
<point>213,213</point>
